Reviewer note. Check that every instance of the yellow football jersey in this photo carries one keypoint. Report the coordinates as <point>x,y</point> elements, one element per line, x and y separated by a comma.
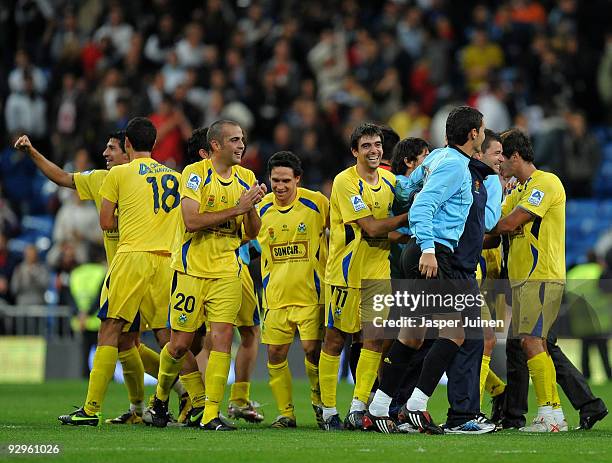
<point>88,185</point>
<point>293,243</point>
<point>537,249</point>
<point>352,255</point>
<point>489,264</point>
<point>213,252</point>
<point>147,197</point>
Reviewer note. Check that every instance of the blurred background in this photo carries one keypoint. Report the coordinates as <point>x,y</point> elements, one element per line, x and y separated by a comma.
<point>297,75</point>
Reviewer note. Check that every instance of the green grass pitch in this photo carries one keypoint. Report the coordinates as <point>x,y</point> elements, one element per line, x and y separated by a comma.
<point>28,415</point>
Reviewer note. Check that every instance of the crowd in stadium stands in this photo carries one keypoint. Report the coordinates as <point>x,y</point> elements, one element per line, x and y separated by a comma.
<point>297,75</point>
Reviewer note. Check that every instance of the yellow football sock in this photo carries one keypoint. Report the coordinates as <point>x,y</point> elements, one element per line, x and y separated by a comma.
<point>280,383</point>
<point>216,378</point>
<point>195,388</point>
<point>133,374</point>
<point>150,360</point>
<point>312,371</point>
<point>494,385</point>
<point>239,393</point>
<point>367,370</point>
<point>484,371</point>
<point>101,374</point>
<point>539,372</point>
<point>328,378</point>
<point>555,400</point>
<point>169,368</point>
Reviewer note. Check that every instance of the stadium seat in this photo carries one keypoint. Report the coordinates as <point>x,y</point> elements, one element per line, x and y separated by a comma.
<point>607,152</point>
<point>581,208</point>
<point>38,224</point>
<point>602,133</point>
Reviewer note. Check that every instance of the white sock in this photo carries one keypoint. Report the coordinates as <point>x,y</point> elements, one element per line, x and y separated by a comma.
<point>546,410</point>
<point>559,415</point>
<point>417,401</point>
<point>380,404</point>
<point>357,406</point>
<point>179,388</point>
<point>328,412</point>
<point>137,408</point>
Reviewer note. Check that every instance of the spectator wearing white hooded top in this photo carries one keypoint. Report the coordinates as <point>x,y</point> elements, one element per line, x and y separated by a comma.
<point>329,63</point>
<point>30,279</point>
<point>119,31</point>
<point>491,104</point>
<point>191,51</point>
<point>23,66</point>
<point>26,110</point>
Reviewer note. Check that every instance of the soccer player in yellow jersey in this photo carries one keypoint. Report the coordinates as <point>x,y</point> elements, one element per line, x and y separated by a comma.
<point>533,215</point>
<point>218,213</point>
<point>145,194</point>
<point>86,183</point>
<point>293,251</point>
<point>240,405</point>
<point>361,200</point>
<point>88,186</point>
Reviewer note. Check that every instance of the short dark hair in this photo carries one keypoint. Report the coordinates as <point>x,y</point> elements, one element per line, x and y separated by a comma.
<point>409,149</point>
<point>197,142</point>
<point>142,133</point>
<point>285,159</point>
<point>366,129</point>
<point>119,135</point>
<point>515,141</point>
<point>490,137</point>
<point>460,122</point>
<point>390,139</point>
<point>216,128</point>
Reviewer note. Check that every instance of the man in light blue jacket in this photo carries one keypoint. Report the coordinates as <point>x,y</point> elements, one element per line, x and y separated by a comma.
<point>437,220</point>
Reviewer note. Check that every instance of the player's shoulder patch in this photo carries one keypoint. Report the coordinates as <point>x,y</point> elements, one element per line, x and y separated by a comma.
<point>357,203</point>
<point>194,181</point>
<point>87,172</point>
<point>536,197</point>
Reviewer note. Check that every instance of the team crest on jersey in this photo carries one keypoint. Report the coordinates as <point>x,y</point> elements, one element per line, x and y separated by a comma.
<point>357,203</point>
<point>182,319</point>
<point>193,183</point>
<point>536,197</point>
<point>144,169</point>
<point>271,233</point>
<point>301,228</point>
<point>211,201</point>
<point>337,312</point>
<point>477,186</point>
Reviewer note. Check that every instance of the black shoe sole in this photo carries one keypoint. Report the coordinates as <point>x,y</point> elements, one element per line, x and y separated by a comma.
<point>82,423</point>
<point>217,425</point>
